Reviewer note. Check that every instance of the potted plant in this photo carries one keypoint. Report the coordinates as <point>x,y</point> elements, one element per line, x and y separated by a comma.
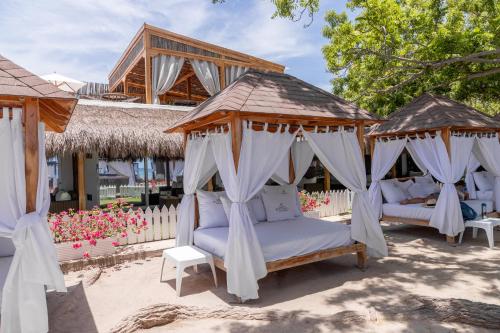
<point>96,232</point>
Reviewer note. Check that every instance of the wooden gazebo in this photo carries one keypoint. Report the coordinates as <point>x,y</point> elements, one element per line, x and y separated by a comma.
<point>273,99</point>
<point>132,74</point>
<point>40,101</point>
<point>431,113</point>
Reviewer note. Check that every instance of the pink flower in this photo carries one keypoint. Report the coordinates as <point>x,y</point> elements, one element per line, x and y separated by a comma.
<point>115,244</point>
<point>92,242</point>
<point>77,245</point>
<point>86,255</point>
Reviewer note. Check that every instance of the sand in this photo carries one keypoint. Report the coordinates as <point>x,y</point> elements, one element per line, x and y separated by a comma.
<point>328,296</point>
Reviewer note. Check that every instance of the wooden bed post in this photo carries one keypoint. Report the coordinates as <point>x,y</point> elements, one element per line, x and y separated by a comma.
<point>326,180</point>
<point>291,168</point>
<point>360,131</point>
<point>236,137</point>
<point>31,161</point>
<point>82,197</point>
<point>446,133</point>
<point>372,147</point>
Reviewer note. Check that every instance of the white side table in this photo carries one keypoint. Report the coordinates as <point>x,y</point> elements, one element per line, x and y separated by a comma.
<point>186,256</point>
<point>487,224</point>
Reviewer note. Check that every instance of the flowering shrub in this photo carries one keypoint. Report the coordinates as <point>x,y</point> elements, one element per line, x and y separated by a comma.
<point>311,201</point>
<point>92,225</point>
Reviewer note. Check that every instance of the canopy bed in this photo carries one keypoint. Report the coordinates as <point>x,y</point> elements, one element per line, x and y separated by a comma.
<point>441,135</point>
<point>245,132</point>
<point>28,261</point>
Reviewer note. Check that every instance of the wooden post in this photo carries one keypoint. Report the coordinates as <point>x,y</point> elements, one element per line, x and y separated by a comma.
<point>394,172</point>
<point>445,134</point>
<point>326,180</point>
<point>236,130</point>
<point>146,183</point>
<point>189,83</point>
<point>31,161</point>
<point>148,79</point>
<point>372,147</point>
<point>210,185</point>
<point>167,171</point>
<point>291,168</point>
<point>125,85</point>
<point>82,195</point>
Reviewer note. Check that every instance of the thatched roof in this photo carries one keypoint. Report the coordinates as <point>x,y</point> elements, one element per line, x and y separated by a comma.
<point>120,130</point>
<point>276,95</point>
<point>433,112</point>
<point>55,105</point>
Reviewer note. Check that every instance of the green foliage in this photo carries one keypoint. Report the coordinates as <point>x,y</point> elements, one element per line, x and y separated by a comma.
<point>396,49</point>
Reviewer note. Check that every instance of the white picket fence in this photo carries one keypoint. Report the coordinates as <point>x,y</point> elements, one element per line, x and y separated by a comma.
<point>340,202</point>
<point>109,192</point>
<point>162,224</point>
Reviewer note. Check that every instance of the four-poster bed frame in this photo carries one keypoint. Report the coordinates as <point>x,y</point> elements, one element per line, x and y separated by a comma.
<point>330,114</point>
<point>430,114</point>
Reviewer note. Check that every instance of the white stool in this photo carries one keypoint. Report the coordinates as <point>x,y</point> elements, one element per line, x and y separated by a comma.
<point>487,225</point>
<point>186,256</point>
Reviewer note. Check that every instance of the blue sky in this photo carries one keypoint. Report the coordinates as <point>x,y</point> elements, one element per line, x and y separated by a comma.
<point>84,39</point>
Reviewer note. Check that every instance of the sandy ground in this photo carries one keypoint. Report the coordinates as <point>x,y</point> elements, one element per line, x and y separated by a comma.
<point>328,296</point>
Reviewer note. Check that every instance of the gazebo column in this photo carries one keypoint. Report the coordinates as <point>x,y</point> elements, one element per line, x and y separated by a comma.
<point>236,137</point>
<point>445,134</point>
<point>31,161</point>
<point>146,183</point>
<point>82,196</point>
<point>291,168</point>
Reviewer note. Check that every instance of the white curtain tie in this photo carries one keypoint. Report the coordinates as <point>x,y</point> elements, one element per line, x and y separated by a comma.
<point>26,221</point>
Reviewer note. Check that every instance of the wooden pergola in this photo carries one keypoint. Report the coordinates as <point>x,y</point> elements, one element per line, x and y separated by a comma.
<point>274,99</point>
<point>431,113</point>
<point>40,101</point>
<point>132,74</point>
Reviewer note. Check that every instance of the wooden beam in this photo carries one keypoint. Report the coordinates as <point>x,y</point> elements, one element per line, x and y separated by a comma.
<point>326,180</point>
<point>222,76</point>
<point>189,87</point>
<point>183,78</point>
<point>236,129</point>
<point>82,193</point>
<point>125,85</point>
<point>372,147</point>
<point>445,134</point>
<point>31,160</point>
<point>147,67</point>
<point>360,131</point>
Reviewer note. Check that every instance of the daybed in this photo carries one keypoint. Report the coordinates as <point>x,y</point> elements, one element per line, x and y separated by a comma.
<point>441,135</point>
<point>245,133</point>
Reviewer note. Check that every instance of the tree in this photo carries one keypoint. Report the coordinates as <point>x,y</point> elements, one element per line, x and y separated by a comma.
<point>395,50</point>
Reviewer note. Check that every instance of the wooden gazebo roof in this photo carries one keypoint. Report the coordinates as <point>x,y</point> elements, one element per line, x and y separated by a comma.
<point>132,73</point>
<point>430,112</point>
<point>17,84</point>
<point>272,97</point>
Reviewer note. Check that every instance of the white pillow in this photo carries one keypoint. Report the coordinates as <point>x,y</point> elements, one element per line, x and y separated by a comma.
<point>483,180</point>
<point>427,179</point>
<point>226,203</point>
<point>280,202</point>
<point>211,211</point>
<point>391,192</point>
<point>421,190</point>
<point>256,206</point>
<point>404,186</point>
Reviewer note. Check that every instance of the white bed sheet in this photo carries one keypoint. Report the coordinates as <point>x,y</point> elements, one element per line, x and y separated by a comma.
<point>411,211</point>
<point>4,270</point>
<point>282,239</point>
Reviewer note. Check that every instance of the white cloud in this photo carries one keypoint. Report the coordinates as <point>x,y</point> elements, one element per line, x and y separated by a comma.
<point>83,39</point>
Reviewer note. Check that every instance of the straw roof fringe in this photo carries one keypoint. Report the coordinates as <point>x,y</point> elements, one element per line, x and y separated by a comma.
<point>119,131</point>
<point>432,112</point>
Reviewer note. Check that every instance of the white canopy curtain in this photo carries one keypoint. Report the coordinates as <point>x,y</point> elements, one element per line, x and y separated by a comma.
<point>487,151</point>
<point>385,154</point>
<point>416,158</point>
<point>199,168</point>
<point>259,152</point>
<point>233,72</point>
<point>125,168</point>
<point>341,154</point>
<point>472,166</point>
<point>208,74</point>
<point>176,169</point>
<point>34,265</point>
<point>165,70</point>
<point>302,156</point>
<point>447,215</point>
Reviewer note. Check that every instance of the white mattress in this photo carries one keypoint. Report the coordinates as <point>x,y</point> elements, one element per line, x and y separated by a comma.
<point>412,211</point>
<point>417,211</point>
<point>282,239</point>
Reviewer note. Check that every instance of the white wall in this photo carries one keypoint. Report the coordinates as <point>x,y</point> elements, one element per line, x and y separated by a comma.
<point>92,179</point>
<point>65,181</point>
